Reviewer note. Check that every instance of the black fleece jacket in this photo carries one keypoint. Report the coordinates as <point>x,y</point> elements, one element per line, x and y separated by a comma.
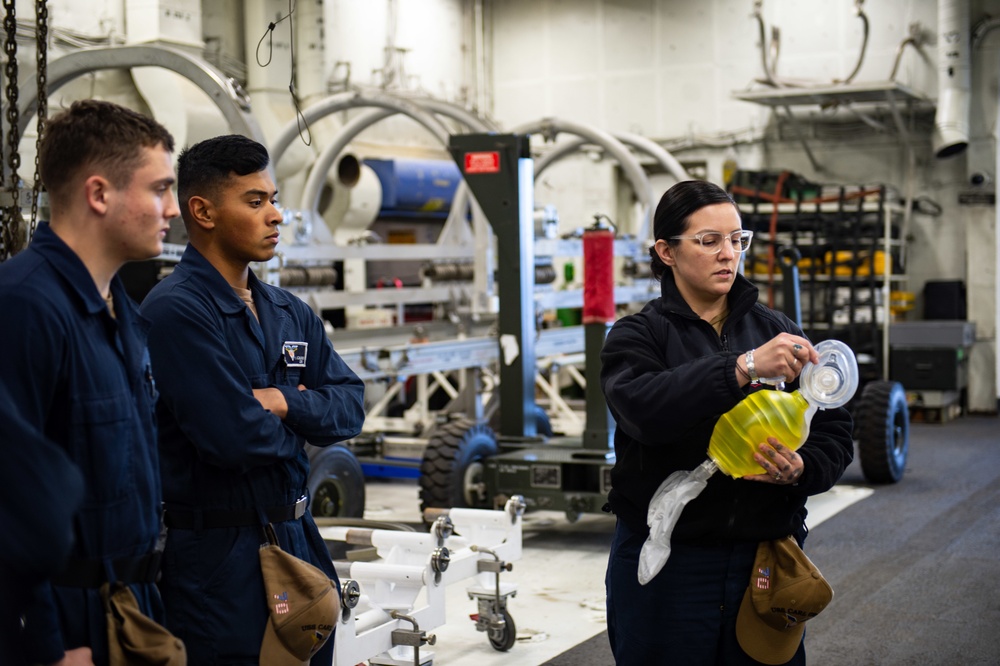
<point>668,377</point>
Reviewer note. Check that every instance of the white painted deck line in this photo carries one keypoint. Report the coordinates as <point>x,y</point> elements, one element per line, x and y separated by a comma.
<point>560,598</point>
<point>833,501</point>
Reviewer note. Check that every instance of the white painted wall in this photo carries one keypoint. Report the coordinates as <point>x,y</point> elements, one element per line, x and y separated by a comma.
<point>667,69</point>
<point>430,32</point>
<point>96,17</point>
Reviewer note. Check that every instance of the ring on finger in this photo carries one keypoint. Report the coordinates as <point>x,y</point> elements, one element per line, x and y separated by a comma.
<point>777,476</point>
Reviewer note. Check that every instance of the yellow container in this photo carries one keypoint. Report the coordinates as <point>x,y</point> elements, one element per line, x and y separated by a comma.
<point>901,301</point>
<point>845,261</point>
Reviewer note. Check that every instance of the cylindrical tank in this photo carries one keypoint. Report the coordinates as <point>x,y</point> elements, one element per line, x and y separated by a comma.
<point>598,276</point>
<point>412,187</point>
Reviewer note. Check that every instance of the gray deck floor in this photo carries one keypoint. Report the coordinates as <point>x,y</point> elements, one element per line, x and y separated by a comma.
<point>915,566</point>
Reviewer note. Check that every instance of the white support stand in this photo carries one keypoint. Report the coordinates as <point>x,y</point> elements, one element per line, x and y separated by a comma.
<point>391,603</point>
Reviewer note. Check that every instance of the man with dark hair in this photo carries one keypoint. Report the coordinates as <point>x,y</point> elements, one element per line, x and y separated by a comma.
<point>76,365</point>
<point>247,375</point>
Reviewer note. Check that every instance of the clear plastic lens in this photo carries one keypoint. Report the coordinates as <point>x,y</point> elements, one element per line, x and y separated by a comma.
<point>712,241</point>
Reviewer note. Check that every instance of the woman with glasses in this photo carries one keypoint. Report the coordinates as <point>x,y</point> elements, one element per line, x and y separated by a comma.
<point>668,373</point>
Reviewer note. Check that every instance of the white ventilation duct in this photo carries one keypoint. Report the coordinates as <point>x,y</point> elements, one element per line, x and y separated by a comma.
<point>951,124</point>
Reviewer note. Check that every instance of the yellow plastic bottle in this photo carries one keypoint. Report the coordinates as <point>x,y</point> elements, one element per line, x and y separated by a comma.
<point>784,416</point>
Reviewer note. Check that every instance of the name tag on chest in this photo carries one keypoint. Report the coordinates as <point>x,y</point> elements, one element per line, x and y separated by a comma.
<point>294,354</point>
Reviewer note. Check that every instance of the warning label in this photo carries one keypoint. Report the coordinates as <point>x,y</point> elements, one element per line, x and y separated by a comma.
<point>977,198</point>
<point>485,162</point>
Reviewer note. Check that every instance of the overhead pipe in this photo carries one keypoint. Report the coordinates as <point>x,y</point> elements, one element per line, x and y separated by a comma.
<point>455,227</point>
<point>268,86</point>
<point>356,201</point>
<point>864,40</point>
<point>770,64</point>
<point>457,113</point>
<point>317,178</point>
<point>356,100</point>
<point>981,30</point>
<point>951,123</point>
<point>454,271</point>
<point>916,39</point>
<point>309,51</point>
<point>630,165</point>
<point>231,100</point>
<point>640,143</point>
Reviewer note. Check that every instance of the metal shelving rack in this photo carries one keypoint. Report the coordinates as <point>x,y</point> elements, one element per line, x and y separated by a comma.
<point>851,259</point>
<point>852,225</point>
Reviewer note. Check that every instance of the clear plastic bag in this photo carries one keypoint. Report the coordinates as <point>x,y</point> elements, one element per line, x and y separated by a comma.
<point>664,509</point>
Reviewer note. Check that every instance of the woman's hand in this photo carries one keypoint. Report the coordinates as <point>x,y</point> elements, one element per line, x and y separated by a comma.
<point>782,466</point>
<point>782,356</point>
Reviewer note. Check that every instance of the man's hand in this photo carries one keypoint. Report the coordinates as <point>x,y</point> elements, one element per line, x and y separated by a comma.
<point>273,400</point>
<point>77,657</point>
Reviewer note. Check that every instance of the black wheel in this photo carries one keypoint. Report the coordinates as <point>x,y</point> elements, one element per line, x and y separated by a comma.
<point>336,483</point>
<point>503,639</point>
<point>543,425</point>
<point>883,429</point>
<point>451,473</point>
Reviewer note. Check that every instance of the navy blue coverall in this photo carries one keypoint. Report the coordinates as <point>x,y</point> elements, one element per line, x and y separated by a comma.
<point>38,525</point>
<point>83,378</point>
<point>222,453</point>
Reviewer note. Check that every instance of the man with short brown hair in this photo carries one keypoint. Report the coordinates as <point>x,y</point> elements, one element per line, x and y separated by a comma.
<point>76,364</point>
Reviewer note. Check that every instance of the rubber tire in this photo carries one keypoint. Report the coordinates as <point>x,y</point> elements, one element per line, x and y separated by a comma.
<point>336,483</point>
<point>451,450</point>
<point>883,431</point>
<point>543,425</point>
<point>508,636</point>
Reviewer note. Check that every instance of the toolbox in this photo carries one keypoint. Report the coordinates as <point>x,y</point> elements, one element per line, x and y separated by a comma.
<point>942,333</point>
<point>929,368</point>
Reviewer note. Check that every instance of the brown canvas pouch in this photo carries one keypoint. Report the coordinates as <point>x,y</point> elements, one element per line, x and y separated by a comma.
<point>133,638</point>
<point>303,606</point>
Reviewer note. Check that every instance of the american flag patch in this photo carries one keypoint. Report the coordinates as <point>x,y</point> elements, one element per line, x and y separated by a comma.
<point>764,578</point>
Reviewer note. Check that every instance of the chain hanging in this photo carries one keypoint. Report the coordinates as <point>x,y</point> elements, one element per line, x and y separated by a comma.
<point>12,223</point>
<point>42,62</point>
